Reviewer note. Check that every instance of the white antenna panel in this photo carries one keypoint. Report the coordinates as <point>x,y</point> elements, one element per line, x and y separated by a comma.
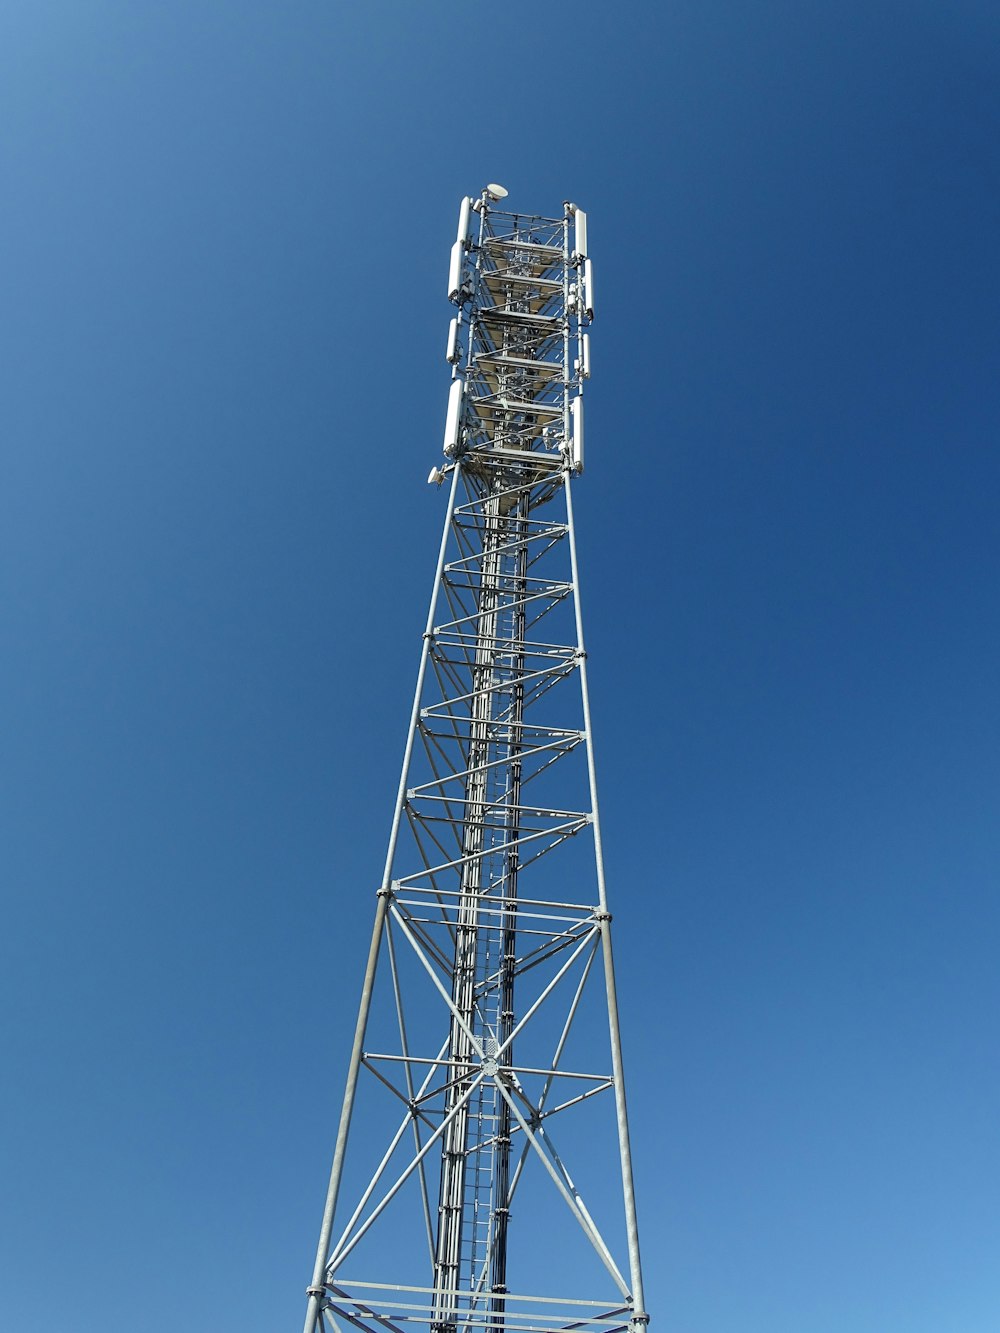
<point>585,356</point>
<point>463,221</point>
<point>452,354</point>
<point>588,288</point>
<point>453,422</point>
<point>577,414</point>
<point>580,252</point>
<point>455,271</point>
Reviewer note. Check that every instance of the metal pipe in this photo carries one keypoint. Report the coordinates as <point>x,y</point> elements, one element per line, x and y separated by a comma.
<point>456,1015</point>
<point>408,1074</point>
<point>347,1109</point>
<point>549,988</point>
<point>618,1069</point>
<point>322,1248</point>
<point>418,691</point>
<point>342,1254</point>
<point>393,1144</point>
<point>430,1291</point>
<point>572,1203</point>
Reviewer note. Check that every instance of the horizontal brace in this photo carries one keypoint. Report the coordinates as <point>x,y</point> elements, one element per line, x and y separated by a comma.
<point>557,670</point>
<point>527,811</point>
<point>512,547</point>
<point>523,752</point>
<point>453,649</point>
<point>465,678</point>
<point>554,594</point>
<point>497,904</point>
<point>521,902</point>
<point>343,1282</point>
<point>466,1316</point>
<point>483,908</point>
<point>475,1068</point>
<point>540,727</point>
<point>516,836</point>
<point>474,510</point>
<point>531,960</point>
<point>477,509</point>
<point>567,829</point>
<point>501,1323</point>
<point>486,728</point>
<point>559,832</point>
<point>500,582</point>
<point>503,644</point>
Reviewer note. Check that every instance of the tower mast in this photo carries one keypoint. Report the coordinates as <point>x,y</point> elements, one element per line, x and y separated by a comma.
<point>492,931</point>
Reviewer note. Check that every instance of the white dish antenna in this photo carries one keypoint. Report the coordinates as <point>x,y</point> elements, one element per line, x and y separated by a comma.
<point>496,192</point>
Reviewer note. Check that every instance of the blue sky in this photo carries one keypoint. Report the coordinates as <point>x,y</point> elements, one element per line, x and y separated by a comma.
<point>223,251</point>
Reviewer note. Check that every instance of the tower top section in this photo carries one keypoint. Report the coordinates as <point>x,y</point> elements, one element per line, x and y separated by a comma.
<point>519,343</point>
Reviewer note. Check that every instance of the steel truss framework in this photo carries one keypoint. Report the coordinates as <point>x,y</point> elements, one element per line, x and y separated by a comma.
<point>487,976</point>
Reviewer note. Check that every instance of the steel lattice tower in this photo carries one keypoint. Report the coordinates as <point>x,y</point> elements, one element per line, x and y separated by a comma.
<point>488,1007</point>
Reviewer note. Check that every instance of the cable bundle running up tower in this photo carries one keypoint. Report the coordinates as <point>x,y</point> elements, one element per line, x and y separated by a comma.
<point>488,1028</point>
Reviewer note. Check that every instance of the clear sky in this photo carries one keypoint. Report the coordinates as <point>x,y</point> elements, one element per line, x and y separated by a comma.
<point>223,251</point>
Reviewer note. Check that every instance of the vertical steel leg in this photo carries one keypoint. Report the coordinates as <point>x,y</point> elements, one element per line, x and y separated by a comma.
<point>315,1290</point>
<point>625,1152</point>
<point>316,1287</point>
